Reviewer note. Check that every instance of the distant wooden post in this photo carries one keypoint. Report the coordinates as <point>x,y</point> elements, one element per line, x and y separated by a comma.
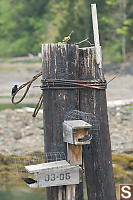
<point>59,62</point>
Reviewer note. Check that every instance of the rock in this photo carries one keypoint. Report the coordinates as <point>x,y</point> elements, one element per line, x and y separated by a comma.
<point>21,133</point>
<point>121,129</point>
<point>17,136</point>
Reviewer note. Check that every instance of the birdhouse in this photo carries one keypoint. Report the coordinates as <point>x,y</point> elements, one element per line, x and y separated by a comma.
<point>54,174</point>
<point>76,132</point>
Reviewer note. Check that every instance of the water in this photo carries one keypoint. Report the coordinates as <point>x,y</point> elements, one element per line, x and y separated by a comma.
<point>22,195</point>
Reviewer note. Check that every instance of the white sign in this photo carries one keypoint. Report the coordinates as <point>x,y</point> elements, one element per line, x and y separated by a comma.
<point>59,176</point>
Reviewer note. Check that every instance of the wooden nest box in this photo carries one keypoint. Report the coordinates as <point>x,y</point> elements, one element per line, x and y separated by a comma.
<point>54,174</point>
<point>76,132</point>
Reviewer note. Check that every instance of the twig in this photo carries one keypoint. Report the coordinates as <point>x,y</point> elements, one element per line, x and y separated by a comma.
<point>115,76</point>
<point>71,33</point>
<point>85,40</point>
<point>90,43</point>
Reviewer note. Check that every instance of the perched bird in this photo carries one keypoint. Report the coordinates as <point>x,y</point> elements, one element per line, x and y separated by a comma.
<point>85,138</point>
<point>66,39</point>
<point>14,89</point>
<point>29,180</point>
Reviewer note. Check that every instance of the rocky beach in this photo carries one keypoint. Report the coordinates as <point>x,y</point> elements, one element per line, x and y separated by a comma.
<point>21,133</point>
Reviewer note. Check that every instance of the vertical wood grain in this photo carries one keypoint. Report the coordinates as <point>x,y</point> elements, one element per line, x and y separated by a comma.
<point>59,62</point>
<point>97,155</point>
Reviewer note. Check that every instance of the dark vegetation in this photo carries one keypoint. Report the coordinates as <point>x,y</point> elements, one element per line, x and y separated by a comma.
<point>25,24</point>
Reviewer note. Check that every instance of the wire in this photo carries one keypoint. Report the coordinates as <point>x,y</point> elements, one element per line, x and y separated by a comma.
<point>58,84</point>
<point>38,106</point>
<point>115,76</point>
<point>72,84</point>
<point>28,84</point>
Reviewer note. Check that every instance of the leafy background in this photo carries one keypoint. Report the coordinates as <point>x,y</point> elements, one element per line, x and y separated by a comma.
<point>25,24</point>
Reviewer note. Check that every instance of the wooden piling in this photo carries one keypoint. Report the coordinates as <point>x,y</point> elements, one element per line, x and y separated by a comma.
<point>97,155</point>
<point>71,63</point>
<point>60,61</point>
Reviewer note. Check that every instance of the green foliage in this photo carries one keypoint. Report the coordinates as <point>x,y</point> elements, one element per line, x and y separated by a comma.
<point>26,24</point>
<point>112,52</point>
<point>21,26</point>
<point>66,16</point>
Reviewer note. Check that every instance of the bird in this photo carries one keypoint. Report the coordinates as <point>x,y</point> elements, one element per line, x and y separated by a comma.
<point>14,89</point>
<point>66,39</point>
<point>85,138</point>
<point>29,180</point>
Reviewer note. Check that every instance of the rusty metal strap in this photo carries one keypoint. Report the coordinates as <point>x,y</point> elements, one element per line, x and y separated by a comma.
<point>72,84</point>
<point>28,84</point>
<point>38,106</point>
<point>57,84</point>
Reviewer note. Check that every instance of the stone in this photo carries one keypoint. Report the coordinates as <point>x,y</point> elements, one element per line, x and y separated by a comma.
<point>21,133</point>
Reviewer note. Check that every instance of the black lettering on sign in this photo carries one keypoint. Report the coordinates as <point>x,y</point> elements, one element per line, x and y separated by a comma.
<point>68,176</point>
<point>47,177</point>
<point>61,176</point>
<point>52,177</point>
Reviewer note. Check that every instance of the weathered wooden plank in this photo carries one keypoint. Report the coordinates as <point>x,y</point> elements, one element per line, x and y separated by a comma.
<point>95,25</point>
<point>59,62</point>
<point>46,166</point>
<point>61,194</point>
<point>96,35</point>
<point>68,192</point>
<point>74,154</point>
<point>97,155</point>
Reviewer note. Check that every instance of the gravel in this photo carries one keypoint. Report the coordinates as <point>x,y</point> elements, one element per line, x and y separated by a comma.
<point>20,133</point>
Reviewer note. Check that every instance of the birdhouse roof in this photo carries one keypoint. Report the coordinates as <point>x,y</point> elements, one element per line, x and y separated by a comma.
<point>77,124</point>
<point>44,166</point>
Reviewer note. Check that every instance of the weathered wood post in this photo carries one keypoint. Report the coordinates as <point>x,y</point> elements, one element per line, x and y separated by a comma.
<point>68,62</point>
<point>97,156</point>
<point>59,62</point>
